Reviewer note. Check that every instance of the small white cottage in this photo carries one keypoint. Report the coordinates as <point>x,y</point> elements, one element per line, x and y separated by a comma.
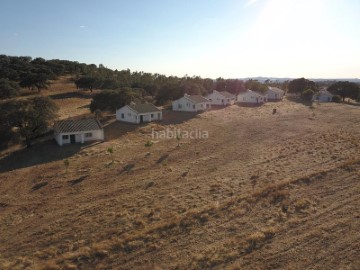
<point>275,93</point>
<point>139,113</point>
<point>78,131</point>
<point>221,98</point>
<point>322,96</point>
<point>191,103</point>
<point>251,97</point>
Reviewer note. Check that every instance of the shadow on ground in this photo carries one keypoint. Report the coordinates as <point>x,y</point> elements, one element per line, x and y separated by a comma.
<point>40,153</point>
<point>114,129</point>
<point>300,100</point>
<point>174,117</point>
<point>77,94</point>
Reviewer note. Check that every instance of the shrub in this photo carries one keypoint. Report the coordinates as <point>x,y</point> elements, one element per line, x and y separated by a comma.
<point>255,240</point>
<point>149,144</point>
<point>307,94</point>
<point>336,99</point>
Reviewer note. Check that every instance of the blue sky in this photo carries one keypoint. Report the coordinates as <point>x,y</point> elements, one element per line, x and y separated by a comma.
<point>227,38</point>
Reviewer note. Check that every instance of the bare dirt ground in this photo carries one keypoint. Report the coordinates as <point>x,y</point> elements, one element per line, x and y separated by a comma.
<point>264,191</point>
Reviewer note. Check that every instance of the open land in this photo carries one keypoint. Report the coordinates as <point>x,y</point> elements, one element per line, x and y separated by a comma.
<point>264,191</point>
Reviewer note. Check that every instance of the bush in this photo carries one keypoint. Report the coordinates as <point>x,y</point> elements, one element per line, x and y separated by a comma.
<point>110,100</point>
<point>8,89</point>
<point>336,99</point>
<point>307,94</point>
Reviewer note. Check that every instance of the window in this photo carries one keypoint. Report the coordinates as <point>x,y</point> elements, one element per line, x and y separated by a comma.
<point>122,116</point>
<point>193,106</point>
<point>65,137</point>
<point>179,106</point>
<point>88,135</point>
<point>152,115</point>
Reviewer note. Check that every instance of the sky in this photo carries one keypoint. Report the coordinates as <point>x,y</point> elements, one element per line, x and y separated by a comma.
<point>207,38</point>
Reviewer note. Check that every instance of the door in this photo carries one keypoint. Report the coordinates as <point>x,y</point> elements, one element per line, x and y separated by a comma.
<point>72,138</point>
<point>141,119</point>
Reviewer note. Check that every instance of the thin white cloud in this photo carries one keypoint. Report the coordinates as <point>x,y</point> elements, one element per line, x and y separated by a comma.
<point>250,2</point>
<point>82,26</point>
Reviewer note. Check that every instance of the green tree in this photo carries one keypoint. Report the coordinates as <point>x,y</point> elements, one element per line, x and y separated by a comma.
<point>345,90</point>
<point>32,80</point>
<point>8,89</point>
<point>298,86</point>
<point>30,117</point>
<point>87,83</point>
<point>110,100</point>
<point>307,94</point>
<point>256,86</point>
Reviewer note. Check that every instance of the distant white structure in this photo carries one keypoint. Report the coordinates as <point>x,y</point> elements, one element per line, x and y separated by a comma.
<point>275,93</point>
<point>191,103</point>
<point>251,97</point>
<point>78,131</point>
<point>221,98</point>
<point>322,96</point>
<point>139,113</point>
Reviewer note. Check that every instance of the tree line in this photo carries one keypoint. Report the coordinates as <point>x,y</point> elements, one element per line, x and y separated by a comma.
<point>28,118</point>
<point>341,89</point>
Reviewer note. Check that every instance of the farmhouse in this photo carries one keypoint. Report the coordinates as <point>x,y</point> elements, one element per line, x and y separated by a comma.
<point>221,98</point>
<point>251,97</point>
<point>78,131</point>
<point>323,96</point>
<point>139,113</point>
<point>275,93</point>
<point>191,103</point>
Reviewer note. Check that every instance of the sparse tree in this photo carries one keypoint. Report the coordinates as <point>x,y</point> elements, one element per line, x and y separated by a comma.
<point>307,95</point>
<point>66,163</point>
<point>30,117</point>
<point>110,150</point>
<point>345,90</point>
<point>178,138</point>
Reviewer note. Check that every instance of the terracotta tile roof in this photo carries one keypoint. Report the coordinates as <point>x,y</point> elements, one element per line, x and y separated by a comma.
<point>144,108</point>
<point>77,125</point>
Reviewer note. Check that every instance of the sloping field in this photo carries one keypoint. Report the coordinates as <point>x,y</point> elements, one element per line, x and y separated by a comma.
<point>263,191</point>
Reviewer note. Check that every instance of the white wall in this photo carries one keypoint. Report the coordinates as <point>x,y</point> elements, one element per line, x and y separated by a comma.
<point>217,99</point>
<point>250,97</point>
<point>125,114</point>
<point>185,105</point>
<point>274,95</point>
<point>80,137</point>
<point>322,98</point>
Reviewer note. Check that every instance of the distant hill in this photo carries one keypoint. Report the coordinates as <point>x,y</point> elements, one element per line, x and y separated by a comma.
<point>276,79</point>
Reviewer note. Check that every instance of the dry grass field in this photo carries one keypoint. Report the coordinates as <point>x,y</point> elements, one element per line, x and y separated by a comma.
<point>264,191</point>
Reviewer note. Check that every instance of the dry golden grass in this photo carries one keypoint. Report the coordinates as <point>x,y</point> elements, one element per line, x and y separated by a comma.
<point>265,191</point>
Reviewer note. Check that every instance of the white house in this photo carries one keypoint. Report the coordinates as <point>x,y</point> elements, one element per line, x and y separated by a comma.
<point>139,113</point>
<point>78,131</point>
<point>275,93</point>
<point>323,96</point>
<point>191,103</point>
<point>221,98</point>
<point>251,97</point>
